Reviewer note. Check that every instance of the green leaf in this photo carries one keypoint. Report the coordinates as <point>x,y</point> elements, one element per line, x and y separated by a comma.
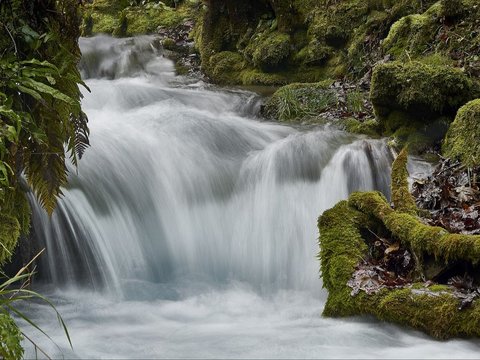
<point>29,91</point>
<point>40,87</point>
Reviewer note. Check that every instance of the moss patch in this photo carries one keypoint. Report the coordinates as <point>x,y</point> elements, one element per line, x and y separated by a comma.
<point>119,19</point>
<point>401,197</point>
<point>421,91</point>
<point>269,51</point>
<point>369,127</point>
<point>463,137</point>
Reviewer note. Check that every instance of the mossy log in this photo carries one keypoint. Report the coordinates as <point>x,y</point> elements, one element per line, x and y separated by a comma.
<point>432,309</point>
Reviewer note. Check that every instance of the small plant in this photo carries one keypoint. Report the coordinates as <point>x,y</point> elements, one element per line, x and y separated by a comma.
<point>12,291</point>
<point>355,101</point>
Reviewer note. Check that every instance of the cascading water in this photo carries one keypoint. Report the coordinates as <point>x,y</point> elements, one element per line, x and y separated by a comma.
<point>190,228</point>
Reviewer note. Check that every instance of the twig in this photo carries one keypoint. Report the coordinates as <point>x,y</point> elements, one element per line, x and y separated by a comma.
<point>11,37</point>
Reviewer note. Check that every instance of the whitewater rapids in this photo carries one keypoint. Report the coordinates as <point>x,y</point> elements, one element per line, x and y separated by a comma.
<point>190,231</point>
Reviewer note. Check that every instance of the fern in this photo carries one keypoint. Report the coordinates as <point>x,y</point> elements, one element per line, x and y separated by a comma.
<point>40,112</point>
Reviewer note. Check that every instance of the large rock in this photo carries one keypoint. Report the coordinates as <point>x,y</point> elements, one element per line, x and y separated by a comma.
<point>422,92</point>
<point>463,137</point>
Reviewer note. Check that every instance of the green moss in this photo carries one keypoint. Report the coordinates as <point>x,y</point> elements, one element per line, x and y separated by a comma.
<point>256,77</point>
<point>411,34</point>
<point>120,19</point>
<point>438,315</point>
<point>103,23</point>
<point>341,245</point>
<point>367,127</point>
<point>147,20</point>
<point>463,137</point>
<point>226,67</point>
<point>403,93</point>
<point>416,36</point>
<point>298,101</point>
<point>269,50</point>
<point>169,44</point>
<point>401,197</point>
<point>416,235</point>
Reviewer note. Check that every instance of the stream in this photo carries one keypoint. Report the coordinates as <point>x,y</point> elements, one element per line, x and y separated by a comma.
<point>189,229</point>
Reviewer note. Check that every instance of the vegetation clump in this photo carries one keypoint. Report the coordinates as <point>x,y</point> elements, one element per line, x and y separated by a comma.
<point>42,127</point>
<point>299,101</point>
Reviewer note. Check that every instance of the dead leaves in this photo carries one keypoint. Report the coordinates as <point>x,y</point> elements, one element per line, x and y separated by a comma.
<point>452,197</point>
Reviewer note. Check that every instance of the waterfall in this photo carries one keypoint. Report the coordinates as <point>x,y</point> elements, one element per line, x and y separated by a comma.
<point>189,228</point>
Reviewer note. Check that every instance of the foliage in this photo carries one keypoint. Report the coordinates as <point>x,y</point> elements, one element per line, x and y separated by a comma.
<point>299,101</point>
<point>10,338</point>
<point>12,291</point>
<point>40,112</point>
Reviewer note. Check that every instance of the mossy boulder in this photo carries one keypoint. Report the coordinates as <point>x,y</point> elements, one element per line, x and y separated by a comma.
<point>415,102</point>
<point>434,309</point>
<point>226,66</point>
<point>413,33</point>
<point>424,92</point>
<point>448,28</point>
<point>463,137</point>
<point>118,18</point>
<point>270,51</point>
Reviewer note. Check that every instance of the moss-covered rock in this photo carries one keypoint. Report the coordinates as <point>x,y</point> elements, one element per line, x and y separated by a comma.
<point>367,127</point>
<point>118,18</point>
<point>415,102</point>
<point>270,51</point>
<point>448,28</point>
<point>418,92</point>
<point>463,137</point>
<point>412,34</point>
<point>226,67</point>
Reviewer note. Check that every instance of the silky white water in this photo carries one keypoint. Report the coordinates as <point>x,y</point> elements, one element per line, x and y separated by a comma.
<point>190,231</point>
